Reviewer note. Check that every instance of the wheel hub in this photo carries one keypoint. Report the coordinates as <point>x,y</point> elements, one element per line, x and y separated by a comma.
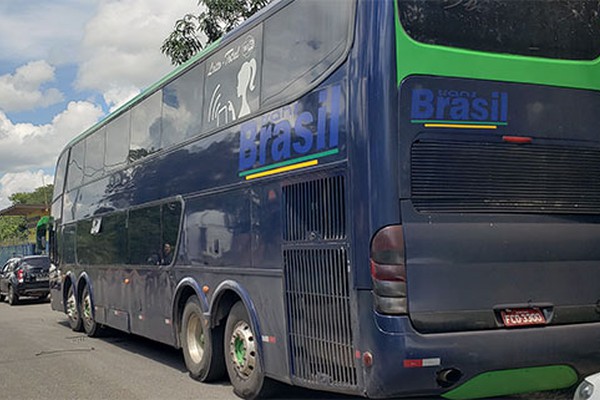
<point>242,349</point>
<point>195,338</point>
<point>72,307</point>
<point>87,308</point>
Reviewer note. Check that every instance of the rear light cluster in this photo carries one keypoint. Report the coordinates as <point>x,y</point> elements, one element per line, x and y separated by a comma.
<point>20,275</point>
<point>388,270</point>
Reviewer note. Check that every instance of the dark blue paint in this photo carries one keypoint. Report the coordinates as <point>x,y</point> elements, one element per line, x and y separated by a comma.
<point>231,241</point>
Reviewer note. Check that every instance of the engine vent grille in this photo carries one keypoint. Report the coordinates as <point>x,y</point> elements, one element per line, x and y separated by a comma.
<point>318,302</point>
<point>454,176</point>
<point>315,210</point>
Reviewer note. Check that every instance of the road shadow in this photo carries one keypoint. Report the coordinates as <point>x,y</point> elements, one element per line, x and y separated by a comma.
<point>27,301</point>
<point>173,358</point>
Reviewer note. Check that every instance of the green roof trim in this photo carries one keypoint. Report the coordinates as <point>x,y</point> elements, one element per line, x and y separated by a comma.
<point>514,381</point>
<point>149,90</point>
<point>415,58</point>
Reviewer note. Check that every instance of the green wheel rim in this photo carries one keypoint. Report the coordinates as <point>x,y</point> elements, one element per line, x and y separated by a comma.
<point>242,350</point>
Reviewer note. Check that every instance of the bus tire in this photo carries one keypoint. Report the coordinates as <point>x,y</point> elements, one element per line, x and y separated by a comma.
<point>202,359</point>
<point>72,310</point>
<point>13,297</point>
<point>1,297</point>
<point>242,356</point>
<point>90,326</point>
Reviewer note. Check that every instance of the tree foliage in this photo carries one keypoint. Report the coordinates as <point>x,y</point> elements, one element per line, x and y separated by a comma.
<point>217,18</point>
<point>41,195</point>
<point>13,228</point>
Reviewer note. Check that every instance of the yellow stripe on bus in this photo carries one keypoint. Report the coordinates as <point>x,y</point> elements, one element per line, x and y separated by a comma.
<point>460,126</point>
<point>283,169</point>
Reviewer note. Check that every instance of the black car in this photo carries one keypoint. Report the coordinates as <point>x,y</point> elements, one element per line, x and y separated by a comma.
<point>24,276</point>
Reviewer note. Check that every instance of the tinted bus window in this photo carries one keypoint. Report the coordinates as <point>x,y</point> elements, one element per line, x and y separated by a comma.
<point>117,142</point>
<point>102,240</point>
<point>94,159</point>
<point>219,230</point>
<point>182,107</point>
<point>171,215</point>
<point>232,81</point>
<point>144,235</point>
<point>295,57</point>
<point>59,175</point>
<point>145,127</point>
<point>75,172</point>
<point>57,208</point>
<point>68,247</point>
<point>555,29</point>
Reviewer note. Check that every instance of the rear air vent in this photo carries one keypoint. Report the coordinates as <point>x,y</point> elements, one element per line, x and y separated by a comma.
<point>315,210</point>
<point>318,301</point>
<point>455,176</point>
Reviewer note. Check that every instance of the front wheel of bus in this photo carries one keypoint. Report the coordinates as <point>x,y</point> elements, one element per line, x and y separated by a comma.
<point>242,356</point>
<point>72,310</point>
<point>198,343</point>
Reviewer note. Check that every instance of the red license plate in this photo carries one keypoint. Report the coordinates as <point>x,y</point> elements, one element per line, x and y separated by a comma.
<point>522,317</point>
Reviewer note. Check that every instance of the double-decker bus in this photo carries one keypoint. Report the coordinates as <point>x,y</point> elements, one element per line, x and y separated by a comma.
<point>380,198</point>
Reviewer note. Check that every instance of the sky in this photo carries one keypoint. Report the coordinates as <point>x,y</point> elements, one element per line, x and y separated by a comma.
<point>64,65</point>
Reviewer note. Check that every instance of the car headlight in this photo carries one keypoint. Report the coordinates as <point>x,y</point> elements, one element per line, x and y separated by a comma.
<point>584,391</point>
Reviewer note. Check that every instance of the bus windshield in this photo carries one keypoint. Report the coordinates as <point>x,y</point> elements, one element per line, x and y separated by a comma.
<point>526,28</point>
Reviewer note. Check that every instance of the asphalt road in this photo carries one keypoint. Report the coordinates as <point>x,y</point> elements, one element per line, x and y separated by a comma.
<point>41,358</point>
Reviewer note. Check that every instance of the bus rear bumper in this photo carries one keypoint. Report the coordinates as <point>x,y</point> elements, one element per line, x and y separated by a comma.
<point>505,361</point>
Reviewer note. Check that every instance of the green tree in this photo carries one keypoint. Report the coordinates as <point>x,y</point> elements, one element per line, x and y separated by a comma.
<point>41,195</point>
<point>13,229</point>
<point>217,18</point>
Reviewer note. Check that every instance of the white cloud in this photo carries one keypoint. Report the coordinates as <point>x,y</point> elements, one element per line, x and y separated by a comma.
<point>114,43</point>
<point>42,29</point>
<point>118,96</point>
<point>121,44</point>
<point>27,181</point>
<point>22,90</point>
<point>26,146</point>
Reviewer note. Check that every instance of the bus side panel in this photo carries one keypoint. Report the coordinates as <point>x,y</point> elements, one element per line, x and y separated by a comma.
<point>150,305</point>
<point>236,236</point>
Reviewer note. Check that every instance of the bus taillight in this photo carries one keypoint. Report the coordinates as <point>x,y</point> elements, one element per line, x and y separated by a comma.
<point>388,270</point>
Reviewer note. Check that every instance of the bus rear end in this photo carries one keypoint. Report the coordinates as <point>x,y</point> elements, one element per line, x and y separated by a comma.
<point>490,282</point>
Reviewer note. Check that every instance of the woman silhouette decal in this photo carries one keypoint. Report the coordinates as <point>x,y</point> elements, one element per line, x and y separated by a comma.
<point>246,80</point>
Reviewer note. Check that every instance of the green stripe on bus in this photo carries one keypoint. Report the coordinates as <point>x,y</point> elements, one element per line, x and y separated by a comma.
<point>514,381</point>
<point>290,162</point>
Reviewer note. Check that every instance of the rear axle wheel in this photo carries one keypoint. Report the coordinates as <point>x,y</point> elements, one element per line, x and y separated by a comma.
<point>72,310</point>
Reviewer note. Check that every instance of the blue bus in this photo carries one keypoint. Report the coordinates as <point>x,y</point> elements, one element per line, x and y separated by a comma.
<point>379,198</point>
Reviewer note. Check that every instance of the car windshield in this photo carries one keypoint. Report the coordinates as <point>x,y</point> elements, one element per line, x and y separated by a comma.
<point>38,262</point>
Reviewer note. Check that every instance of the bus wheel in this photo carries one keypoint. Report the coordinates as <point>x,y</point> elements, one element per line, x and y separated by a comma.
<point>242,356</point>
<point>72,310</point>
<point>90,326</point>
<point>201,360</point>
